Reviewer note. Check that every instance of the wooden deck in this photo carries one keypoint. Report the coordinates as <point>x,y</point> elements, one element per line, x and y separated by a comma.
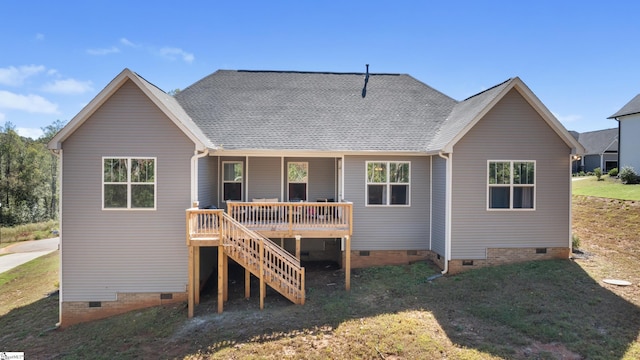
<point>291,219</point>
<point>243,235</point>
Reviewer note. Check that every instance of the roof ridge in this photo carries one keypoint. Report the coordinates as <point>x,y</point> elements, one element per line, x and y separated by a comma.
<point>314,72</point>
<point>491,88</point>
<point>148,82</point>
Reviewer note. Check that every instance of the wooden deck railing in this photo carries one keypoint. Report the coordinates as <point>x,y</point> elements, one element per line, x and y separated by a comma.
<point>203,225</point>
<point>262,257</point>
<point>288,219</point>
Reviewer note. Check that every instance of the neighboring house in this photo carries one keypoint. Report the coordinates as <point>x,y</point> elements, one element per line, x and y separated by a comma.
<point>364,169</point>
<point>600,150</point>
<point>629,130</point>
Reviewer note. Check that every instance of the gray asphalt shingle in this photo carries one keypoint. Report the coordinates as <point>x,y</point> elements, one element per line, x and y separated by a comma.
<point>632,107</point>
<point>315,111</point>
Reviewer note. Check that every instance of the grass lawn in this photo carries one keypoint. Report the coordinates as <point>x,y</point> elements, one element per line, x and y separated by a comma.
<point>607,187</point>
<point>557,309</point>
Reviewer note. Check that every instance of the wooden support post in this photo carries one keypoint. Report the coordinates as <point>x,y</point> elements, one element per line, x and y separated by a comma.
<point>303,291</point>
<point>262,285</point>
<point>298,237</point>
<point>347,265</point>
<point>226,278</point>
<point>196,273</point>
<point>190,285</point>
<point>247,283</point>
<point>220,278</point>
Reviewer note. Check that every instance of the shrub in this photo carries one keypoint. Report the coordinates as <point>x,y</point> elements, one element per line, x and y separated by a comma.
<point>628,175</point>
<point>581,173</point>
<point>575,241</point>
<point>598,172</point>
<point>613,172</point>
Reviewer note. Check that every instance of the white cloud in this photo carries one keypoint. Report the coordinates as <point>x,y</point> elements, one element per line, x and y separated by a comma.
<point>29,103</point>
<point>567,118</point>
<point>15,76</point>
<point>68,86</point>
<point>33,133</point>
<point>2,117</point>
<point>172,53</point>
<point>103,51</point>
<point>39,36</point>
<point>126,42</point>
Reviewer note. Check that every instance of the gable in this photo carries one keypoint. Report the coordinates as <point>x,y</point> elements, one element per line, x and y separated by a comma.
<point>128,121</point>
<point>467,113</point>
<point>165,103</point>
<point>512,129</point>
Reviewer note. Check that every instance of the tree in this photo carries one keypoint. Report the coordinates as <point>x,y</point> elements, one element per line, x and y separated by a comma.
<point>49,132</point>
<point>28,176</point>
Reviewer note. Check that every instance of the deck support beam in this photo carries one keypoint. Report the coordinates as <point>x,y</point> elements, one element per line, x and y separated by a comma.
<point>225,272</point>
<point>220,278</point>
<point>298,238</point>
<point>247,283</point>
<point>262,284</point>
<point>190,294</point>
<point>196,273</point>
<point>347,261</point>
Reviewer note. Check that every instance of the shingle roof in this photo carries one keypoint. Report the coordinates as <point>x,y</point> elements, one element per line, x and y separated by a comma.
<point>315,111</point>
<point>632,107</point>
<point>463,114</point>
<point>597,142</point>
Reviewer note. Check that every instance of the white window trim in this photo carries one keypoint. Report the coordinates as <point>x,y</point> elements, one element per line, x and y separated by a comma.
<point>387,184</point>
<point>298,182</point>
<point>233,182</point>
<point>129,183</point>
<point>511,185</point>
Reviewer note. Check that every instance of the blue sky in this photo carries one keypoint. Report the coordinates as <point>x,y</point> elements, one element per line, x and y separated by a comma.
<point>581,58</point>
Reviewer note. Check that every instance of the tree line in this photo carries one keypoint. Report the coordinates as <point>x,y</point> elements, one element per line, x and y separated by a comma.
<point>29,184</point>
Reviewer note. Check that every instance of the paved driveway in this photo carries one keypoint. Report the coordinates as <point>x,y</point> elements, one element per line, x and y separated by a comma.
<point>25,251</point>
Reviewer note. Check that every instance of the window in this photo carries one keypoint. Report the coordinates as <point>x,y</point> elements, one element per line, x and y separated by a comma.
<point>388,183</point>
<point>297,179</point>
<point>232,180</point>
<point>129,183</point>
<point>511,185</point>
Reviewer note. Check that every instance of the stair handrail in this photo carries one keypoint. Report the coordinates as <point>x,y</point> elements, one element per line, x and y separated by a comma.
<point>295,282</point>
<point>273,246</point>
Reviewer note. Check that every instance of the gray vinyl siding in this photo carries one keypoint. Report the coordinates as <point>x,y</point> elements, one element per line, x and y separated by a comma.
<point>388,227</point>
<point>264,177</point>
<point>106,252</point>
<point>629,144</point>
<point>512,130</point>
<point>591,162</point>
<point>207,184</point>
<point>321,177</point>
<point>439,210</point>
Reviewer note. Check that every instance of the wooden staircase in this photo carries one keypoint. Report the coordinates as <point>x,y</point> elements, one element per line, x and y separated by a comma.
<point>257,254</point>
<point>264,259</point>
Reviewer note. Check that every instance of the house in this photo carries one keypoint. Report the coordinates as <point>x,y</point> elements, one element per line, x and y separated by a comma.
<point>628,119</point>
<point>277,167</point>
<point>601,150</point>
